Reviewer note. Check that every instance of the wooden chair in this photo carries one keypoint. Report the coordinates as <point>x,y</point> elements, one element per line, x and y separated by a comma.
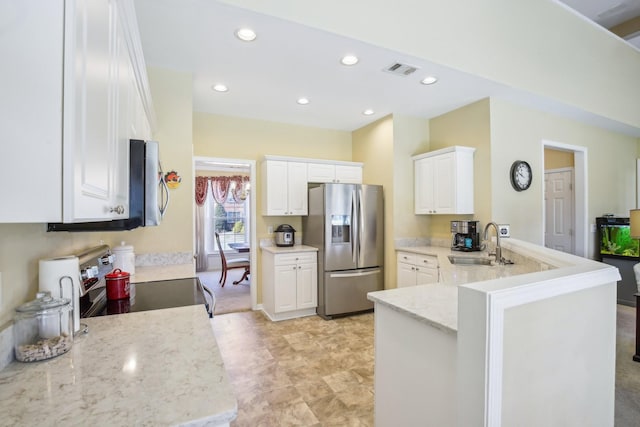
<point>234,263</point>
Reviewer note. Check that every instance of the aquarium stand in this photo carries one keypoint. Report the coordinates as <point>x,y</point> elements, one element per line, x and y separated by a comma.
<point>627,286</point>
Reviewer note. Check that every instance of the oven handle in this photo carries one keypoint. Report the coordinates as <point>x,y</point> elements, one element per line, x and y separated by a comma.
<point>213,299</point>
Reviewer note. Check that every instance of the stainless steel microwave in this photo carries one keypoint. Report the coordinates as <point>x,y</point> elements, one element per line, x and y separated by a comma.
<point>148,193</point>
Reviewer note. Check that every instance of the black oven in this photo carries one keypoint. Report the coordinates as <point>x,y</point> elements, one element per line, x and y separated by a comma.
<point>149,296</point>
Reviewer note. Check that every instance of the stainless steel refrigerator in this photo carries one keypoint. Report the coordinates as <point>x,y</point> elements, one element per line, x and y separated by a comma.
<point>345,223</point>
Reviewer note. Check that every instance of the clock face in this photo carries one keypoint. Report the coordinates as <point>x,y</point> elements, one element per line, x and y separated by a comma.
<point>520,175</point>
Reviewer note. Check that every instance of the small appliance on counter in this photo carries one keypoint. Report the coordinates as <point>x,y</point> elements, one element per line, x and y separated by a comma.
<point>465,236</point>
<point>284,235</point>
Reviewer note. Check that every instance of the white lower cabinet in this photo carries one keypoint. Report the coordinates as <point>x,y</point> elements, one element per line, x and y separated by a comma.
<point>416,269</point>
<point>289,284</point>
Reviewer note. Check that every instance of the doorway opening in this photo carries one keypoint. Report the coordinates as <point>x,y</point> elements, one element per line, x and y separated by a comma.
<point>564,215</point>
<point>224,231</point>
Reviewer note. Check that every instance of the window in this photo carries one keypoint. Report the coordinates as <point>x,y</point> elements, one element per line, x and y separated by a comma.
<point>229,219</point>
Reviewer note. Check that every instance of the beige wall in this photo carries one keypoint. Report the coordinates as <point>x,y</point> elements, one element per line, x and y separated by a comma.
<point>171,93</point>
<point>248,139</point>
<point>410,137</point>
<point>556,159</point>
<point>496,39</point>
<point>517,134</point>
<point>467,126</point>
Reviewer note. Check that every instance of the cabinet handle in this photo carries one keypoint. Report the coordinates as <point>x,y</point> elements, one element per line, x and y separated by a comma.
<point>117,209</point>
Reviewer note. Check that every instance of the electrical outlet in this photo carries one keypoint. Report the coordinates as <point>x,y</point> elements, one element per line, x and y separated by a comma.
<point>593,228</point>
<point>270,229</point>
<point>0,289</point>
<point>504,231</point>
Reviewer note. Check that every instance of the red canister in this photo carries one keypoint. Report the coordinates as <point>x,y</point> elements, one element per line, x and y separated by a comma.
<point>117,284</point>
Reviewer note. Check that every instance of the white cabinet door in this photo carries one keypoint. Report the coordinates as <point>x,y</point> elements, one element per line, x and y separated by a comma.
<point>275,194</point>
<point>31,42</point>
<point>307,285</point>
<point>327,173</point>
<point>321,172</point>
<point>285,191</point>
<point>285,298</point>
<point>348,174</point>
<point>297,188</point>
<point>96,187</point>
<point>424,276</point>
<point>443,184</point>
<point>424,189</point>
<point>406,275</point>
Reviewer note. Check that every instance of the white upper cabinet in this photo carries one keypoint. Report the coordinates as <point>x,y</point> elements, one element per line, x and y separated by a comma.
<point>30,110</point>
<point>284,188</point>
<point>327,173</point>
<point>444,181</point>
<point>73,165</point>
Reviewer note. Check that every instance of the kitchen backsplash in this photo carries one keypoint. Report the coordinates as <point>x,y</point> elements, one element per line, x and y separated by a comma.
<point>164,258</point>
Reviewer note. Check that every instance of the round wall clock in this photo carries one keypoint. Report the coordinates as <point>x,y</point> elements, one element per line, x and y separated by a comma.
<point>521,175</point>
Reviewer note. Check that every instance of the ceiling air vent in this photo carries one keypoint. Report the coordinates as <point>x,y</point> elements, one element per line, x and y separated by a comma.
<point>400,69</point>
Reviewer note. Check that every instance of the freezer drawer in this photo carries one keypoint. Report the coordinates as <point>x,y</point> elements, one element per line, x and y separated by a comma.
<point>346,291</point>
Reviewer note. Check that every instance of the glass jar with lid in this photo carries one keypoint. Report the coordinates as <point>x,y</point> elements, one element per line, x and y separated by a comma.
<point>43,328</point>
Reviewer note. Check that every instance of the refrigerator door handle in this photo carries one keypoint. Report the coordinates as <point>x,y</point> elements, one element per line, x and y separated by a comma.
<point>354,227</point>
<point>356,274</point>
<point>361,223</point>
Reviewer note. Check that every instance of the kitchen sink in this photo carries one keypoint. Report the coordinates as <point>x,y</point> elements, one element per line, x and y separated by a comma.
<point>469,260</point>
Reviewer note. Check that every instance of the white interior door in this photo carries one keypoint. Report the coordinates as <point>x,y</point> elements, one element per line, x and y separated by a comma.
<point>559,210</point>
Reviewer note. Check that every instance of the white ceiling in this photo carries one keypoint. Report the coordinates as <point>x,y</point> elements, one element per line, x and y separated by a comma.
<point>289,60</point>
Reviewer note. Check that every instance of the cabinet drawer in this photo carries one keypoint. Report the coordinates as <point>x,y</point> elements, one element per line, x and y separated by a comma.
<point>295,258</point>
<point>426,261</point>
<point>406,257</point>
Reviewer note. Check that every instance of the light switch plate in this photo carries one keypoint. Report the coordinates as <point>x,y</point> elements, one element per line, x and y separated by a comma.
<point>504,231</point>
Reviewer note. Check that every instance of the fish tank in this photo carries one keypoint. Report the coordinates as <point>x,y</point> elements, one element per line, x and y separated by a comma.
<point>614,237</point>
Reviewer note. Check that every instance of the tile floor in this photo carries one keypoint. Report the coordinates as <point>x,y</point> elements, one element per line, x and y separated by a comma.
<point>301,372</point>
<point>313,372</point>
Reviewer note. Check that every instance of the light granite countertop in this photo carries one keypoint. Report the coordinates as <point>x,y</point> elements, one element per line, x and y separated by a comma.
<point>288,249</point>
<point>437,304</point>
<point>159,367</point>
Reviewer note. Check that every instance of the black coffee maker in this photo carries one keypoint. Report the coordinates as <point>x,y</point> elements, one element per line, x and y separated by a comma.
<point>465,236</point>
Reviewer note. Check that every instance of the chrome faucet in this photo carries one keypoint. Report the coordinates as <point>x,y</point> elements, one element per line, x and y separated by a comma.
<point>498,253</point>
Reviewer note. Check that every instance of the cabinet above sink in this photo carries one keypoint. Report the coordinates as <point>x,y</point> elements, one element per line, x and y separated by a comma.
<point>444,181</point>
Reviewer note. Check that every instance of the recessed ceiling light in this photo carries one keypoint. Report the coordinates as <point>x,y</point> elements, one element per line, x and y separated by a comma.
<point>349,60</point>
<point>368,112</point>
<point>246,34</point>
<point>429,80</point>
<point>303,101</point>
<point>219,87</point>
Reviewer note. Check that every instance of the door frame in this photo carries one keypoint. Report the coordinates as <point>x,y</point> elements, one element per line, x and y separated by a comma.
<point>253,254</point>
<point>580,187</point>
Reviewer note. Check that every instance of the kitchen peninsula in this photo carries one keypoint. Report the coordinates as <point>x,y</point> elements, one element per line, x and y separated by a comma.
<point>521,344</point>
